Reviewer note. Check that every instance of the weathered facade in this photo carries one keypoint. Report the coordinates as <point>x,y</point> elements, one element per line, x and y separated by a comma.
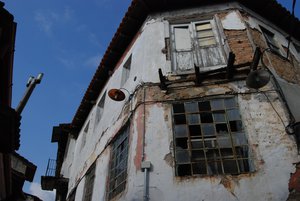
<point>8,118</point>
<point>190,128</point>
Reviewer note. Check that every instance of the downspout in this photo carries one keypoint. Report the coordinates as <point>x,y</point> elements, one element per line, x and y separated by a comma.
<point>144,123</point>
<point>145,165</point>
<point>146,194</point>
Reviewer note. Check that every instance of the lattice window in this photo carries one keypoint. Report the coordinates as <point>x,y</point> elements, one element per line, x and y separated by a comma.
<point>89,184</point>
<point>209,138</point>
<point>118,164</point>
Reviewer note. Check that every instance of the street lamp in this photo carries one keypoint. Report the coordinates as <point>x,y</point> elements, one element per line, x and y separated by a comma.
<point>31,83</point>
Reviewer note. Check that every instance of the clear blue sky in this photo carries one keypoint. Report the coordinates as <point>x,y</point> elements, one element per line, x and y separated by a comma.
<point>64,39</point>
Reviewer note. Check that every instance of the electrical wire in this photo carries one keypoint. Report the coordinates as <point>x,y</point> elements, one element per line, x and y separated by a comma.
<point>274,108</point>
<point>278,87</point>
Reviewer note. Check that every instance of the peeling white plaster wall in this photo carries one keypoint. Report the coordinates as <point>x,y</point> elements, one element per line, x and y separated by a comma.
<point>66,169</point>
<point>273,150</point>
<point>233,21</point>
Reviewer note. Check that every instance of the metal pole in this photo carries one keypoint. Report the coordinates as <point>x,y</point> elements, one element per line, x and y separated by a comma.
<point>31,85</point>
<point>146,184</point>
<point>146,167</point>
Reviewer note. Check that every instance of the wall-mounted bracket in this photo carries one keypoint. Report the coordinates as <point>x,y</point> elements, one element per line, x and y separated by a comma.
<point>256,59</point>
<point>199,76</point>
<point>230,69</point>
<point>163,85</point>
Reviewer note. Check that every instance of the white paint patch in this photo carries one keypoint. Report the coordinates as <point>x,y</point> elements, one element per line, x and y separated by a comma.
<point>233,21</point>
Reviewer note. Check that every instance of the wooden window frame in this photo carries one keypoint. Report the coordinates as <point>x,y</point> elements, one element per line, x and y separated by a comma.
<point>196,52</point>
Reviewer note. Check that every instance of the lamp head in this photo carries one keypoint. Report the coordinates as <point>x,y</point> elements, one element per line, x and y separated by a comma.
<point>116,94</point>
<point>39,78</point>
<point>30,79</point>
<point>258,78</point>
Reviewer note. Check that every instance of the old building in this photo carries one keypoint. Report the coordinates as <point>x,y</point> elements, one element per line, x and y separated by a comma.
<point>14,169</point>
<point>193,100</point>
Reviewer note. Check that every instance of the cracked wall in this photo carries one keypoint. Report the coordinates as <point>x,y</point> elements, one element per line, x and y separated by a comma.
<point>151,128</point>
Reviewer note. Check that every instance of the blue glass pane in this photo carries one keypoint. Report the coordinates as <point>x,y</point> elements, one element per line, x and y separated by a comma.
<point>191,107</point>
<point>217,104</point>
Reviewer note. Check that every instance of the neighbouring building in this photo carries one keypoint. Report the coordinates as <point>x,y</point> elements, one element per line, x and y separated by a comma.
<point>192,100</point>
<point>14,169</point>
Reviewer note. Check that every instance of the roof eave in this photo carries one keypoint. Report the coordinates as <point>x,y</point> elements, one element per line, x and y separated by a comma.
<point>133,20</point>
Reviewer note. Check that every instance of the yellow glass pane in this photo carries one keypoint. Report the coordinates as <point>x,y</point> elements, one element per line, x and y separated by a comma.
<point>206,41</point>
<point>205,33</point>
<point>200,27</point>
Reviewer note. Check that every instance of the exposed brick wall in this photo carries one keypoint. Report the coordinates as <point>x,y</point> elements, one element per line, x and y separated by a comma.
<point>240,45</point>
<point>294,185</point>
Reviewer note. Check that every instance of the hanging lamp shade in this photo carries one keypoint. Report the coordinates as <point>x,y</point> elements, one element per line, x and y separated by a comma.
<point>258,78</point>
<point>116,94</point>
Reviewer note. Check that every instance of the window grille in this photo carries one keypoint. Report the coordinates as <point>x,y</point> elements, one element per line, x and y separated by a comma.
<point>89,184</point>
<point>51,167</point>
<point>118,164</point>
<point>209,138</point>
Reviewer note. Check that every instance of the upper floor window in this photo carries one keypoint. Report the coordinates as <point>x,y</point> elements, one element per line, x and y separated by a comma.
<point>118,164</point>
<point>209,138</point>
<point>270,38</point>
<point>89,184</point>
<point>100,109</point>
<point>297,47</point>
<point>196,43</point>
<point>126,71</point>
<point>84,134</point>
<point>72,195</point>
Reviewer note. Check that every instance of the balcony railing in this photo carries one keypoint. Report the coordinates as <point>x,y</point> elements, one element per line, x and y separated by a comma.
<point>51,168</point>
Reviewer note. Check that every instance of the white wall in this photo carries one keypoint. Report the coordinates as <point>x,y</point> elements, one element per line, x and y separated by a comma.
<point>273,150</point>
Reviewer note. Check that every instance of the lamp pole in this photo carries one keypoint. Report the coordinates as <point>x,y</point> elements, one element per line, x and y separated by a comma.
<point>32,82</point>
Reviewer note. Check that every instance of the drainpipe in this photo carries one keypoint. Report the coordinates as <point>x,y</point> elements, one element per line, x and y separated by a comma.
<point>146,166</point>
<point>144,124</point>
